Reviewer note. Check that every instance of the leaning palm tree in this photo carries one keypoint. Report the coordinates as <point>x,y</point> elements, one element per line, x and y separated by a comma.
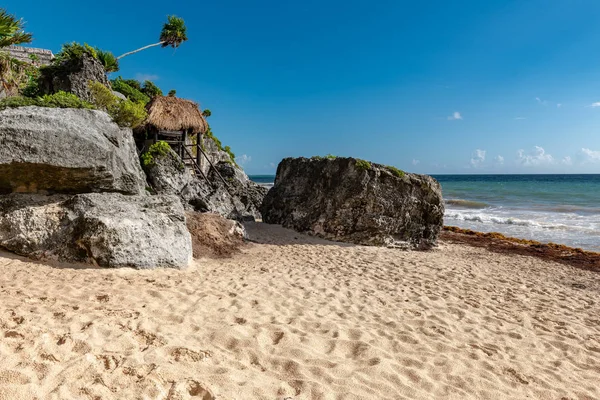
<point>11,30</point>
<point>173,34</point>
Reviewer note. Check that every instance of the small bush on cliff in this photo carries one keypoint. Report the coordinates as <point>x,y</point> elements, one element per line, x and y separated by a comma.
<point>395,171</point>
<point>125,87</point>
<point>157,150</point>
<point>64,100</point>
<point>17,101</point>
<point>362,164</point>
<point>71,53</point>
<point>56,100</point>
<point>150,89</point>
<point>125,113</point>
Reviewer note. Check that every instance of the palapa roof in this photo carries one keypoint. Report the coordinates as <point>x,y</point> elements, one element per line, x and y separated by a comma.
<point>174,114</point>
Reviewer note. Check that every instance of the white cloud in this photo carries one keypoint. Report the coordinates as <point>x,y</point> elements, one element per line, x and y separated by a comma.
<point>537,156</point>
<point>477,158</point>
<point>594,105</point>
<point>415,162</point>
<point>243,159</point>
<point>590,155</point>
<point>567,160</point>
<point>146,77</point>
<point>272,165</point>
<point>499,159</point>
<point>559,105</point>
<point>455,116</point>
<point>540,101</point>
<point>520,118</point>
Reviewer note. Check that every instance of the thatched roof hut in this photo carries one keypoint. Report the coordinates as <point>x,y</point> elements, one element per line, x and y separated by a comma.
<point>173,114</point>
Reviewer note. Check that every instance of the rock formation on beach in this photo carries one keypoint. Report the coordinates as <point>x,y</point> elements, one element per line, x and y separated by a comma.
<point>238,198</point>
<point>355,201</point>
<point>72,189</point>
<point>58,150</point>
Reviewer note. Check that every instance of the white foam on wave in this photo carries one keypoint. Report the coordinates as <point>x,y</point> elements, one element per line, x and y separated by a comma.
<point>565,228</point>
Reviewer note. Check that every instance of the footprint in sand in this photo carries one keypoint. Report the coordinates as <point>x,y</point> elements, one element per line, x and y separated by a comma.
<point>188,390</point>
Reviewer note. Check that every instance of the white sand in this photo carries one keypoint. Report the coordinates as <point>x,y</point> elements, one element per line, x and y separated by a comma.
<point>303,319</point>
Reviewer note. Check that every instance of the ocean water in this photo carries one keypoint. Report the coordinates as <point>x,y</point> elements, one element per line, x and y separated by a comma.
<point>562,209</point>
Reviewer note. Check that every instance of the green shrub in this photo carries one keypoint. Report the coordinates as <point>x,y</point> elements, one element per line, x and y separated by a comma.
<point>129,114</point>
<point>330,157</point>
<point>151,90</point>
<point>125,113</point>
<point>395,171</point>
<point>18,101</point>
<point>64,100</point>
<point>362,164</point>
<point>227,150</point>
<point>56,100</point>
<point>103,97</point>
<point>132,93</point>
<point>172,93</point>
<point>157,150</point>
<point>317,158</point>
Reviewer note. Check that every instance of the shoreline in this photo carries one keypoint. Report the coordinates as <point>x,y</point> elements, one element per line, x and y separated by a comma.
<point>499,243</point>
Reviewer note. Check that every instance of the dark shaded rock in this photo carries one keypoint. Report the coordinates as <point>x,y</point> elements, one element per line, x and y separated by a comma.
<point>238,199</point>
<point>73,77</point>
<point>338,200</point>
<point>105,229</point>
<point>58,150</point>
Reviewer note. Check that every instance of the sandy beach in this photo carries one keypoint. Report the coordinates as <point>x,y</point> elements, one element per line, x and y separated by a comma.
<point>295,317</point>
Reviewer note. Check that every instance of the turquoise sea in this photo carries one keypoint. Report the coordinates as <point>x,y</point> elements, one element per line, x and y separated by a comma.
<point>562,209</point>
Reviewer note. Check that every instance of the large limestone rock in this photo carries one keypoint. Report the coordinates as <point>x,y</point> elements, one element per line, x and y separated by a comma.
<point>105,229</point>
<point>73,77</point>
<point>240,199</point>
<point>362,203</point>
<point>57,150</point>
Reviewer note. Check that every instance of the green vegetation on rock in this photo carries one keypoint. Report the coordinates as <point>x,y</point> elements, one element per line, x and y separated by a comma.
<point>395,171</point>
<point>129,88</point>
<point>157,150</point>
<point>56,100</point>
<point>362,164</point>
<point>125,113</point>
<point>70,55</point>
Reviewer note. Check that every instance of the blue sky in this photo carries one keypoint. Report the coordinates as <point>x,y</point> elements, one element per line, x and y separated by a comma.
<point>430,87</point>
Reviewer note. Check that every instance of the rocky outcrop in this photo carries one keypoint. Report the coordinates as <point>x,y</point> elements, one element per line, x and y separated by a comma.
<point>105,229</point>
<point>73,76</point>
<point>57,150</point>
<point>354,201</point>
<point>238,199</point>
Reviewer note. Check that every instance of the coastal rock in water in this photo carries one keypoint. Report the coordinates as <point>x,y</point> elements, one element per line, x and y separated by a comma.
<point>73,77</point>
<point>350,200</point>
<point>240,199</point>
<point>105,229</point>
<point>60,150</point>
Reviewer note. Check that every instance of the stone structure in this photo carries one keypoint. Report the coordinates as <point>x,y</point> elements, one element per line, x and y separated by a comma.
<point>350,200</point>
<point>73,77</point>
<point>31,55</point>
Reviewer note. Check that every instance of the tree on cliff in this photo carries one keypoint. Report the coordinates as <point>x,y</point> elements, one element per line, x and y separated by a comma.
<point>11,30</point>
<point>173,34</point>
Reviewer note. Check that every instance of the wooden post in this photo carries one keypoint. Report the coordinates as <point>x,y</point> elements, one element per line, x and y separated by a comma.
<point>198,147</point>
<point>182,144</point>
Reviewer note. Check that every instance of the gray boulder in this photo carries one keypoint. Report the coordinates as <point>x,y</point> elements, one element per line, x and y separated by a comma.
<point>107,229</point>
<point>239,199</point>
<point>57,150</point>
<point>73,76</point>
<point>349,200</point>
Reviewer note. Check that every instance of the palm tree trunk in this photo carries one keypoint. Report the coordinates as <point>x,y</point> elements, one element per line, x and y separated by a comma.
<point>140,49</point>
